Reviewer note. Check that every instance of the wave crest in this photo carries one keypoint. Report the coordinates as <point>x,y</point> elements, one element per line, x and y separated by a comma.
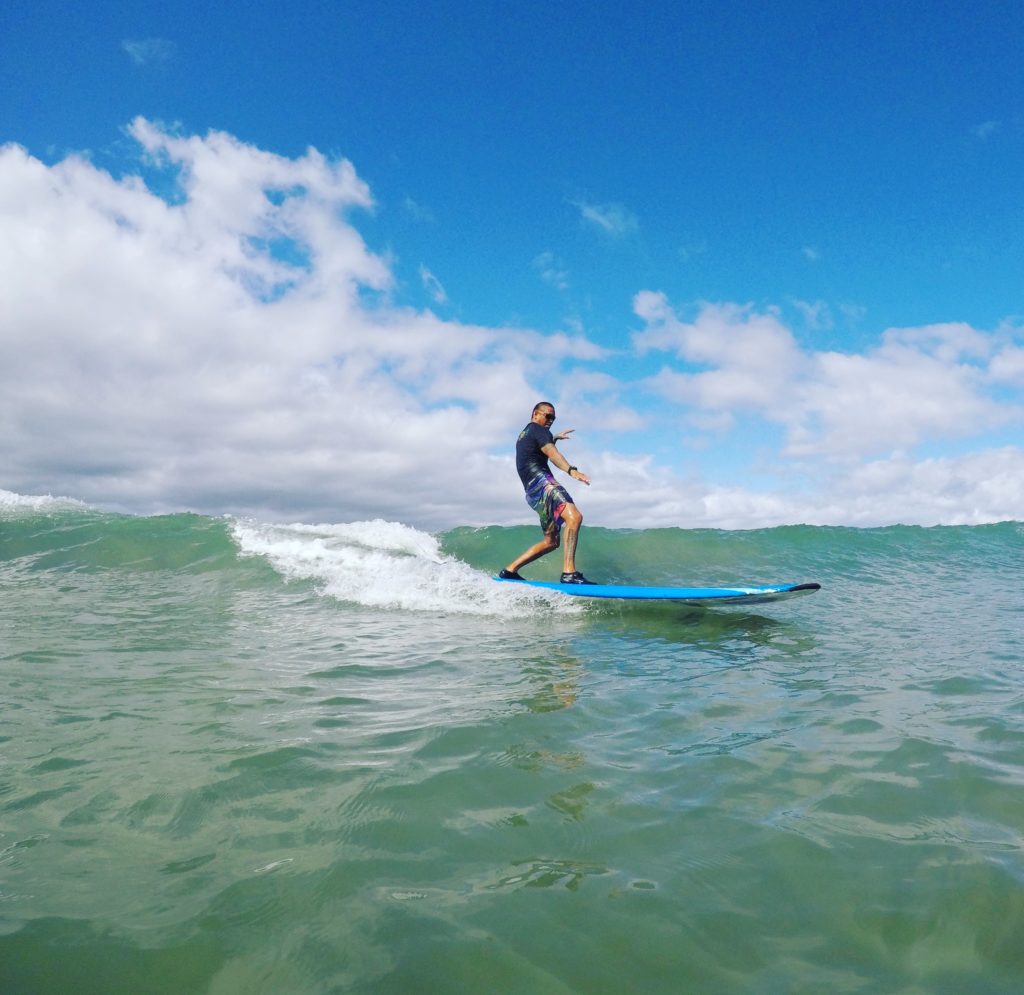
<point>384,564</point>
<point>13,505</point>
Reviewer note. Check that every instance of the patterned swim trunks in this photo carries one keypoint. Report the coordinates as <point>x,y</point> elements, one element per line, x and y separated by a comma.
<point>547,497</point>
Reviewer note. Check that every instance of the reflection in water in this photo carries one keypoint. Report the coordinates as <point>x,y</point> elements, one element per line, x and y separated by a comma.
<point>704,627</point>
<point>547,873</point>
<point>554,683</point>
<point>573,801</point>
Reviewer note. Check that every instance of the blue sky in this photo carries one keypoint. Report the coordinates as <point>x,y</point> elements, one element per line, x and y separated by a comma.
<point>721,237</point>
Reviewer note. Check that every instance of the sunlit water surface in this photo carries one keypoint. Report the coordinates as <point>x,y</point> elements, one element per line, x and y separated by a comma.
<point>238,757</point>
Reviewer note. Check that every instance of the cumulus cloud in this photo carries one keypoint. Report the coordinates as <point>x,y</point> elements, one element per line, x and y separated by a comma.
<point>749,359</point>
<point>232,344</point>
<point>1008,365</point>
<point>959,490</point>
<point>918,385</point>
<point>235,347</point>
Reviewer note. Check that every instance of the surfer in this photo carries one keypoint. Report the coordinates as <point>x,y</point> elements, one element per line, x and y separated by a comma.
<point>552,502</point>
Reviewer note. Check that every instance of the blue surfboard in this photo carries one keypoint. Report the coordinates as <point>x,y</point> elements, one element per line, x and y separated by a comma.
<point>749,595</point>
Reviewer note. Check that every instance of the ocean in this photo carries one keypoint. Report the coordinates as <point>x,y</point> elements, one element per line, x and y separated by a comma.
<point>245,757</point>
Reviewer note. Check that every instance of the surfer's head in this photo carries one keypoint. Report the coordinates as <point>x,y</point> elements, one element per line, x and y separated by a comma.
<point>544,412</point>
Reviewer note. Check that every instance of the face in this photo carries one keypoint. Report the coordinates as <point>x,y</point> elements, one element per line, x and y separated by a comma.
<point>545,416</point>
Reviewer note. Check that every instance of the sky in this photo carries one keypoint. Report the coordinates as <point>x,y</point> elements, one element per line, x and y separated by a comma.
<point>317,261</point>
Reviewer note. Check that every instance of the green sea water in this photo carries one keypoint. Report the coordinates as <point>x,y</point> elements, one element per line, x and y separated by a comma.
<point>238,757</point>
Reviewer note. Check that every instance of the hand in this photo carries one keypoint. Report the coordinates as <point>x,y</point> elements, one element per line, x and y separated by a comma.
<point>562,436</point>
<point>578,474</point>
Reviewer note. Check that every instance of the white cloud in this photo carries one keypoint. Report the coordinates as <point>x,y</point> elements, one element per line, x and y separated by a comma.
<point>965,490</point>
<point>174,355</point>
<point>817,315</point>
<point>552,270</point>
<point>237,347</point>
<point>1008,365</point>
<point>612,219</point>
<point>753,357</point>
<point>919,385</point>
<point>853,314</point>
<point>852,406</point>
<point>146,51</point>
<point>433,286</point>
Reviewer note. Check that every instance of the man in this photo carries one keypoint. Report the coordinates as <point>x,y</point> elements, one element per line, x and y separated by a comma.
<point>534,448</point>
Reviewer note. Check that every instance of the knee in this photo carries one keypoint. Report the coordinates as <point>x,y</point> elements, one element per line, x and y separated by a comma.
<point>553,540</point>
<point>572,517</point>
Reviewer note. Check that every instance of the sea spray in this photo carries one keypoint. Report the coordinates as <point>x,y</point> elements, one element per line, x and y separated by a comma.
<point>386,565</point>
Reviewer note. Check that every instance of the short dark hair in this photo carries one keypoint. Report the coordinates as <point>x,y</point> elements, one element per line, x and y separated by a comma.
<point>542,404</point>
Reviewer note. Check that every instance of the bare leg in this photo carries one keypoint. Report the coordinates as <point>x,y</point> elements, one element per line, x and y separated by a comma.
<point>573,520</point>
<point>548,544</point>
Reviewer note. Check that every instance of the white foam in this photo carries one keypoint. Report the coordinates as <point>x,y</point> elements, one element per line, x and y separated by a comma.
<point>388,565</point>
<point>378,534</point>
<point>12,504</point>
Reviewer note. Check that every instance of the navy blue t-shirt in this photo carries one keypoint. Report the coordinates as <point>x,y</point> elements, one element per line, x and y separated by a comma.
<point>529,459</point>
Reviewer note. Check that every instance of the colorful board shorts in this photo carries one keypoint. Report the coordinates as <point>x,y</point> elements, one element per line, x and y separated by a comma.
<point>547,497</point>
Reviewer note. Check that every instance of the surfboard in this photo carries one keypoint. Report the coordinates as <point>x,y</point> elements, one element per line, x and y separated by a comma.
<point>747,595</point>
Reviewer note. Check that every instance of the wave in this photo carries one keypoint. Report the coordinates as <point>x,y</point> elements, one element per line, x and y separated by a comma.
<point>14,505</point>
<point>390,565</point>
<point>375,564</point>
<point>386,565</point>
